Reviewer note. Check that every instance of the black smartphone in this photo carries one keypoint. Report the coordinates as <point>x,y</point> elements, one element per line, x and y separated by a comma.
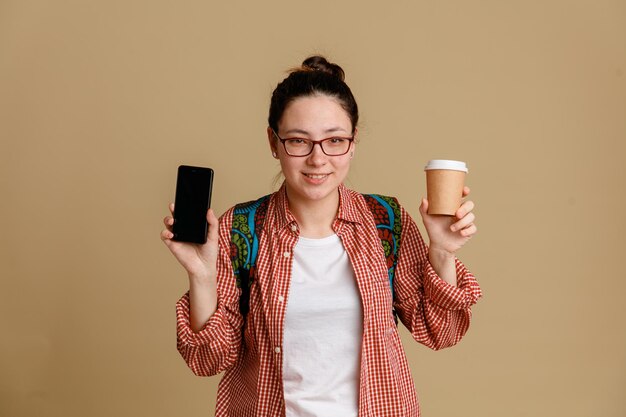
<point>193,199</point>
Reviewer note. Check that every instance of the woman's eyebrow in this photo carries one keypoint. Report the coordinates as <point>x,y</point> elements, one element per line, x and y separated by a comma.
<point>336,129</point>
<point>304,132</point>
<point>300,131</point>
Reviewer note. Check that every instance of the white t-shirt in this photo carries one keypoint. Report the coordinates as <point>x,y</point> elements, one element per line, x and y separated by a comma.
<point>323,332</point>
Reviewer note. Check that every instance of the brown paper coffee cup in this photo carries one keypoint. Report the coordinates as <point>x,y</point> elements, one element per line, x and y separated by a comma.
<point>444,185</point>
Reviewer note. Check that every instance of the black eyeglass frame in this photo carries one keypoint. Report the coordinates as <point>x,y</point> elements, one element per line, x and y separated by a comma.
<point>314,142</point>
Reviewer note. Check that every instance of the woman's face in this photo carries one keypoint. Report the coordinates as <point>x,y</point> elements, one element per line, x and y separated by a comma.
<point>316,177</point>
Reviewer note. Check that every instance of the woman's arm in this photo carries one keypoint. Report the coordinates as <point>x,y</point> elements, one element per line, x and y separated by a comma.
<point>200,262</point>
<point>208,318</point>
<point>436,311</point>
<point>448,234</point>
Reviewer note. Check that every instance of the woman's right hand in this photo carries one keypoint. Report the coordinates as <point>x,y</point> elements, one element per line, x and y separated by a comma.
<point>199,260</point>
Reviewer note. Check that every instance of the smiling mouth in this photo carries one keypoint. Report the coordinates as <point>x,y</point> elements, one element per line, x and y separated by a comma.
<point>316,176</point>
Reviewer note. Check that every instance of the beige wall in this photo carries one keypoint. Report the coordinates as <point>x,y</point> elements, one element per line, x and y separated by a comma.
<point>101,100</point>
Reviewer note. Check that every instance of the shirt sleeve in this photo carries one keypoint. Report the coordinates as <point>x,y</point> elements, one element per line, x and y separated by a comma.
<point>216,347</point>
<point>436,313</point>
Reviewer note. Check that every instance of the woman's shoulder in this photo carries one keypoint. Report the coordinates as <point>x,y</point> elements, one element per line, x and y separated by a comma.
<point>383,208</point>
<point>247,208</point>
<point>379,208</point>
<point>375,199</point>
<point>251,205</point>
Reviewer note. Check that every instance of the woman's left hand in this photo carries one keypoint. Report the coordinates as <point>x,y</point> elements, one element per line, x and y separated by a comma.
<point>448,234</point>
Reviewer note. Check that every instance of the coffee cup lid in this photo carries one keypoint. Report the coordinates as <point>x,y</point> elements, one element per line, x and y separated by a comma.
<point>446,164</point>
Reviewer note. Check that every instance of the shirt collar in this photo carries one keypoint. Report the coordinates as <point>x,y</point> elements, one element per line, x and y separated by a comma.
<point>348,207</point>
<point>284,216</point>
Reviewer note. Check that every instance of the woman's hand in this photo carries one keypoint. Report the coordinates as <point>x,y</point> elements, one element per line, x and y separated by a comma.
<point>448,234</point>
<point>199,260</point>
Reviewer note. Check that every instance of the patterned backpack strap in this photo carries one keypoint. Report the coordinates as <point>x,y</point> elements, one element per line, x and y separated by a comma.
<point>388,219</point>
<point>248,220</point>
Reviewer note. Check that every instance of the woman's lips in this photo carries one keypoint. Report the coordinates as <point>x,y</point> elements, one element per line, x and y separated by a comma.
<point>316,178</point>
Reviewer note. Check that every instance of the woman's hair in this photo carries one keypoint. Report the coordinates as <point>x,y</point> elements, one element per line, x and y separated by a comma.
<point>315,76</point>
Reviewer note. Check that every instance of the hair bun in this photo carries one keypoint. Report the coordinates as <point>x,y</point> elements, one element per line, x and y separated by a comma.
<point>319,63</point>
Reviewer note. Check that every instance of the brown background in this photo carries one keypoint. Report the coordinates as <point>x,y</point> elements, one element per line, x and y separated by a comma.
<point>101,100</point>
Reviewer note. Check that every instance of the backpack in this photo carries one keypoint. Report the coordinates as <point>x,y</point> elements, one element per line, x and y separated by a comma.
<point>248,220</point>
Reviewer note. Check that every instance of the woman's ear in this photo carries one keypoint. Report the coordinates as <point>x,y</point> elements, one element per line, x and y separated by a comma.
<point>271,138</point>
<point>353,144</point>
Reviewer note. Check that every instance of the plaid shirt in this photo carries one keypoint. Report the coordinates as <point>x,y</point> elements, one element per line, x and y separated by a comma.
<point>436,313</point>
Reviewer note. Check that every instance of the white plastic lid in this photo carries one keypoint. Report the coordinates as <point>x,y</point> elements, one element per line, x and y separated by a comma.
<point>446,164</point>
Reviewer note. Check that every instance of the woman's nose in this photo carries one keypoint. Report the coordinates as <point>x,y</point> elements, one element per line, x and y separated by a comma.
<point>317,155</point>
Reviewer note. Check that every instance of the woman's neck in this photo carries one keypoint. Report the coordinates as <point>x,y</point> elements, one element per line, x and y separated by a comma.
<point>315,218</point>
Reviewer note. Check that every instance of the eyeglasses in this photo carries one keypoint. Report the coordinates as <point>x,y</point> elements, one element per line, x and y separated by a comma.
<point>334,146</point>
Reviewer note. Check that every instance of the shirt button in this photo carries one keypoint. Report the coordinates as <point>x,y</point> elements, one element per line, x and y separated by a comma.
<point>294,228</point>
<point>286,254</point>
<point>281,298</point>
<point>277,349</point>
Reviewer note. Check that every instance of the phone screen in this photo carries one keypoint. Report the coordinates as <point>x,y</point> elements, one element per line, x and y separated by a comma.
<point>193,199</point>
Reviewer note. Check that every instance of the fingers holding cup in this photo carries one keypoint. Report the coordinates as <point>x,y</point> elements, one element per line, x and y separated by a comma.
<point>465,209</point>
<point>466,218</point>
<point>463,223</point>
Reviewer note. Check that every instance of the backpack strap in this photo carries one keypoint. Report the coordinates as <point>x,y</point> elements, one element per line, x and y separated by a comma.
<point>388,219</point>
<point>248,220</point>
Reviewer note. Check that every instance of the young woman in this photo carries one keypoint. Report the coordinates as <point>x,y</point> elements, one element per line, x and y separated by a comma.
<point>320,338</point>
